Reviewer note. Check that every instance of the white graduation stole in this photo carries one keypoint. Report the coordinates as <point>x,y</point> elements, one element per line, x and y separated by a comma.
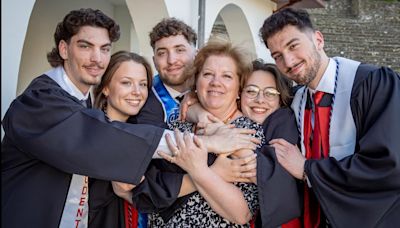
<point>342,131</point>
<point>76,208</point>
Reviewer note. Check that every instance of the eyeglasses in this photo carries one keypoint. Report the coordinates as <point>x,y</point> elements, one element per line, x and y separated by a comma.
<point>252,91</point>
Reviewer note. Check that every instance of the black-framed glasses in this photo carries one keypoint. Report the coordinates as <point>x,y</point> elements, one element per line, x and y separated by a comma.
<point>252,91</point>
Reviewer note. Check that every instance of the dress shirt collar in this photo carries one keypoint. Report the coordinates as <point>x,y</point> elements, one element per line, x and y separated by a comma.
<point>59,75</point>
<point>327,82</point>
<point>174,93</point>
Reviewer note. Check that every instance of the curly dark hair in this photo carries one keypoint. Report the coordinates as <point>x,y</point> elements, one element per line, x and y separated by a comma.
<point>283,85</point>
<point>172,27</point>
<point>71,24</point>
<point>277,21</point>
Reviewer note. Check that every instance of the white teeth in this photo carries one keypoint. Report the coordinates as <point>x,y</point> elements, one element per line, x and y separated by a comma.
<point>259,110</point>
<point>133,102</point>
<point>214,93</point>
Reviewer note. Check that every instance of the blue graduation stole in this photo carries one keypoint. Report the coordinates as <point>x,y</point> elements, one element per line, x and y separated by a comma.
<point>142,220</point>
<point>170,106</point>
<point>171,113</point>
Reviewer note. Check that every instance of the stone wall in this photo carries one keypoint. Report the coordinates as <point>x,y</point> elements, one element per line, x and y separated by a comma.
<point>364,30</point>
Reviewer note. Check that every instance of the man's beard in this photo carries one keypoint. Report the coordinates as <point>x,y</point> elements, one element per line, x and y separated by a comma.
<point>177,80</point>
<point>311,73</point>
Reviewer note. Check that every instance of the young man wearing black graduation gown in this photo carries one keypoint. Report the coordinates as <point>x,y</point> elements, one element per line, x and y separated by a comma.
<point>174,47</point>
<point>52,143</point>
<point>350,163</point>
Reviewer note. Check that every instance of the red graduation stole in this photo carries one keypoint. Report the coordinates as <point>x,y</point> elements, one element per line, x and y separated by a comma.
<point>318,148</point>
<point>131,215</point>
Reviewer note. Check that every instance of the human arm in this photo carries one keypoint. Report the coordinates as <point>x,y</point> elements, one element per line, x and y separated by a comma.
<point>374,104</point>
<point>346,182</point>
<point>224,198</point>
<point>49,125</point>
<point>290,157</point>
<point>236,170</point>
<point>188,100</point>
<point>123,190</point>
<point>227,138</point>
<point>278,191</point>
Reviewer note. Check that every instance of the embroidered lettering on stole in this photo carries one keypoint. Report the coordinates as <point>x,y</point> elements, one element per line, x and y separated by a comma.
<point>76,208</point>
<point>170,106</point>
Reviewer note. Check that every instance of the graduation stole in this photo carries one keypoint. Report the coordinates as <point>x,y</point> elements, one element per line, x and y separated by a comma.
<point>317,147</point>
<point>170,106</point>
<point>76,208</point>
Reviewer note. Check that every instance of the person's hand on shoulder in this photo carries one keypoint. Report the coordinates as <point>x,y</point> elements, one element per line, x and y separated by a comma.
<point>227,138</point>
<point>235,170</point>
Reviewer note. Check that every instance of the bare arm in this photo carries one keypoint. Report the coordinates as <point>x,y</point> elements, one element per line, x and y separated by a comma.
<point>124,190</point>
<point>230,170</point>
<point>196,113</point>
<point>224,198</point>
<point>187,186</point>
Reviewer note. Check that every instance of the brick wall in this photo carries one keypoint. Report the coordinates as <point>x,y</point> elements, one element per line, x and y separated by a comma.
<point>364,30</point>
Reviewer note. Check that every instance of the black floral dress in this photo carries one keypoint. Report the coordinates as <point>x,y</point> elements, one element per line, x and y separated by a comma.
<point>196,212</point>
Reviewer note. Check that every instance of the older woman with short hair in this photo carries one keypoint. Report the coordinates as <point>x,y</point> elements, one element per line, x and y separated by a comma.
<point>220,71</point>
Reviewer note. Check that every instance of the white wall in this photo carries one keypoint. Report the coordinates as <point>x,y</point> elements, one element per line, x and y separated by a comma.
<point>145,15</point>
<point>28,27</point>
<point>14,22</point>
<point>122,16</point>
<point>39,39</point>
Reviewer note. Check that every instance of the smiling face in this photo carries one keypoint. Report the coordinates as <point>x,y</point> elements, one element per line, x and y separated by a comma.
<point>86,56</point>
<point>298,54</point>
<point>127,91</point>
<point>217,85</point>
<point>172,55</point>
<point>260,107</point>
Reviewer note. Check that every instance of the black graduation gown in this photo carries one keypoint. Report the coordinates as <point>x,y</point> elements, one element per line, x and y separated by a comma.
<point>163,180</point>
<point>363,189</point>
<point>48,136</point>
<point>151,112</point>
<point>159,189</point>
<point>278,191</point>
<point>106,209</point>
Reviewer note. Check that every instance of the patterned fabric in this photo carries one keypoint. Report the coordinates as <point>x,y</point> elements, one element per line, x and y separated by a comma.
<point>196,212</point>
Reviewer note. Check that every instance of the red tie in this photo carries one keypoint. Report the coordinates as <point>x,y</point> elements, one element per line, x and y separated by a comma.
<point>317,149</point>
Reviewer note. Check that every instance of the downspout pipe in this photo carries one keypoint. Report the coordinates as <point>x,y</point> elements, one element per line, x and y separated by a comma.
<point>201,23</point>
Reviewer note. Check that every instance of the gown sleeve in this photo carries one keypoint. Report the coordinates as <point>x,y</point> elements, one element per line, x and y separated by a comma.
<point>152,113</point>
<point>160,188</point>
<point>363,189</point>
<point>278,191</point>
<point>49,125</point>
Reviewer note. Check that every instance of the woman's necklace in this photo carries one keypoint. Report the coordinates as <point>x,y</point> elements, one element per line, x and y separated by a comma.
<point>333,100</point>
<point>228,120</point>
